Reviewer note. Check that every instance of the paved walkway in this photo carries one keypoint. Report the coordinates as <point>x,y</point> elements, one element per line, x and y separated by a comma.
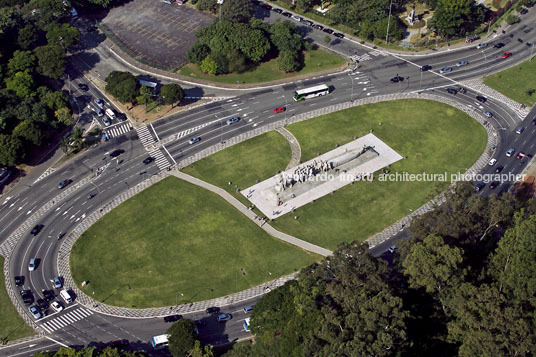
<point>251,215</point>
<point>295,156</point>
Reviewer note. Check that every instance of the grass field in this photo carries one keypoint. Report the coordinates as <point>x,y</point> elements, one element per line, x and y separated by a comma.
<point>435,137</point>
<point>314,61</point>
<point>12,326</point>
<point>256,159</point>
<point>515,82</point>
<point>177,243</point>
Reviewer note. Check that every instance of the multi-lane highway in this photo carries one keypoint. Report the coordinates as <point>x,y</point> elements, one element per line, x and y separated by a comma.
<point>105,177</point>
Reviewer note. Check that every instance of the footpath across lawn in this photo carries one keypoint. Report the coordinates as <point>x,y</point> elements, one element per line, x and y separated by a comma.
<point>314,61</point>
<point>517,83</point>
<point>435,137</point>
<point>13,326</point>
<point>177,243</point>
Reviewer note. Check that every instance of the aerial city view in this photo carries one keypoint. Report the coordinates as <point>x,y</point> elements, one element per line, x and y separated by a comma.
<point>268,178</point>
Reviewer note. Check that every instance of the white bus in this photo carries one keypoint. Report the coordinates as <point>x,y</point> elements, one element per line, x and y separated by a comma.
<point>159,342</point>
<point>245,323</point>
<point>311,92</point>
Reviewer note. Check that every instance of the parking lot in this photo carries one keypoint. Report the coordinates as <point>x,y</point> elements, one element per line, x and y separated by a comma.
<point>154,32</point>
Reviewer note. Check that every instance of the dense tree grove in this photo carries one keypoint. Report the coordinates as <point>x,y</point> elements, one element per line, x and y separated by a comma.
<point>90,352</point>
<point>227,46</point>
<point>463,284</point>
<point>34,38</point>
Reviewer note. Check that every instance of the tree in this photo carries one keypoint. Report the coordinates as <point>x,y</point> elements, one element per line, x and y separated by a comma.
<point>54,100</point>
<point>146,93</point>
<point>27,37</point>
<point>182,337</point>
<point>22,83</point>
<point>254,45</point>
<point>434,266</point>
<point>172,93</point>
<point>237,61</point>
<point>11,150</point>
<point>283,35</point>
<point>122,85</point>
<point>28,131</point>
<point>207,5</point>
<point>488,324</point>
<point>288,61</point>
<point>22,61</point>
<point>209,65</point>
<point>197,351</point>
<point>197,53</point>
<point>64,116</point>
<point>453,17</point>
<point>63,35</point>
<point>512,19</point>
<point>236,10</point>
<point>51,60</point>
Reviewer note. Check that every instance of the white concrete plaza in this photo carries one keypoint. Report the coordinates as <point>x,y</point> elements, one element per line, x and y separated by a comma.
<point>324,174</point>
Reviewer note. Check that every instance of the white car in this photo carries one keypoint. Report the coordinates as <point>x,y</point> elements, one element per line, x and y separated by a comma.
<point>56,306</point>
<point>492,162</point>
<point>488,114</point>
<point>481,45</point>
<point>445,70</point>
<point>297,18</point>
<point>194,140</point>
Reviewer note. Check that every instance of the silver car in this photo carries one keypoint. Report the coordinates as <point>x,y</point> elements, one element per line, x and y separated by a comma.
<point>462,63</point>
<point>481,45</point>
<point>445,70</point>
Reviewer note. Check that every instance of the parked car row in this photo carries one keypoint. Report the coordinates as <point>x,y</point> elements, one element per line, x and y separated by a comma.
<point>299,19</point>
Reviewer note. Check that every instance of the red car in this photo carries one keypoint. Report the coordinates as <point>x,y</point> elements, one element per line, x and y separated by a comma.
<point>506,54</point>
<point>279,110</point>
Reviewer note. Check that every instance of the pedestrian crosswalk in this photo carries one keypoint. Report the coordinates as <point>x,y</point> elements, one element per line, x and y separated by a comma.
<point>65,319</point>
<point>160,159</point>
<point>117,130</point>
<point>367,56</point>
<point>145,136</point>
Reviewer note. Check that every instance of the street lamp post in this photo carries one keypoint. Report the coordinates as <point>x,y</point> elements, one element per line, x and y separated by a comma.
<point>484,53</point>
<point>388,22</point>
<point>177,298</point>
<point>420,82</point>
<point>352,94</point>
<point>531,49</point>
<point>286,105</point>
<point>221,127</point>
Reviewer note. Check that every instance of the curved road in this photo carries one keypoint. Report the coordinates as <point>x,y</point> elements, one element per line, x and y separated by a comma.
<point>78,325</point>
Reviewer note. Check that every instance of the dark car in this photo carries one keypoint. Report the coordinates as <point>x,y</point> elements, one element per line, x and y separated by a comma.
<point>35,230</point>
<point>397,79</point>
<point>27,296</point>
<point>83,87</point>
<point>426,67</point>
<point>524,11</point>
<point>42,304</point>
<point>116,153</point>
<point>452,91</point>
<point>330,31</point>
<point>481,99</point>
<point>286,14</point>
<point>4,174</point>
<point>277,10</point>
<point>499,169</point>
<point>307,22</point>
<point>498,45</point>
<point>533,121</point>
<point>318,27</point>
<point>172,318</point>
<point>48,295</point>
<point>266,6</point>
<point>148,160</point>
<point>120,343</point>
<point>479,186</point>
<point>212,310</point>
<point>338,34</point>
<point>19,280</point>
<point>493,185</point>
<point>64,183</point>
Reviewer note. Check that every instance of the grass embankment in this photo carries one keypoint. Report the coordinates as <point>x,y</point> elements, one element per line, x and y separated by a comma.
<point>517,83</point>
<point>435,137</point>
<point>177,243</point>
<point>314,61</point>
<point>12,326</point>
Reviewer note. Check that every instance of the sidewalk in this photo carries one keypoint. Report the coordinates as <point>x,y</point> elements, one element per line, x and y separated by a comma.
<point>249,213</point>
